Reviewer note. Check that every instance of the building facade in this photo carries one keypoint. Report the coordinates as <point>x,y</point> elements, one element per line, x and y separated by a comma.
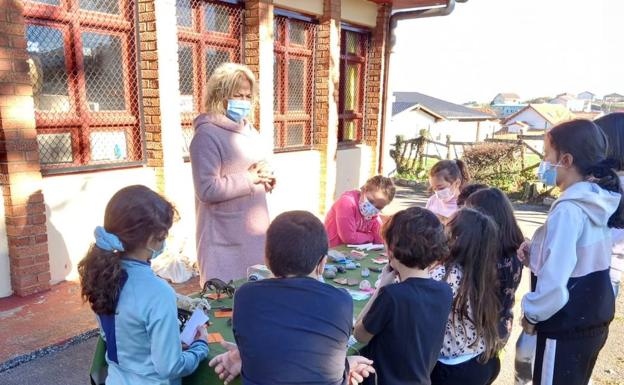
<point>98,95</point>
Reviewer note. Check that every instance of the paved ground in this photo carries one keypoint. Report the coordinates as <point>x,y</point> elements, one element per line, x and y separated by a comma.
<point>70,366</point>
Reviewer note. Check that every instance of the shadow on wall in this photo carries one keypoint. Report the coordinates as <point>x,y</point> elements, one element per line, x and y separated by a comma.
<point>352,168</point>
<point>59,254</point>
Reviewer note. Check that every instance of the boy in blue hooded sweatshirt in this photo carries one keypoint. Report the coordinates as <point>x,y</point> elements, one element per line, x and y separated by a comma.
<point>573,303</point>
<point>135,309</point>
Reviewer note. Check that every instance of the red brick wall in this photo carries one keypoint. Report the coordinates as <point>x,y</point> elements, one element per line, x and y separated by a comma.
<point>374,84</point>
<point>327,78</point>
<point>20,173</point>
<point>148,62</point>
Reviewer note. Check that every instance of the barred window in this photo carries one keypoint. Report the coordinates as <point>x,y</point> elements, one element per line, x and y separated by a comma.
<point>293,73</point>
<point>209,34</point>
<point>83,68</point>
<point>353,53</point>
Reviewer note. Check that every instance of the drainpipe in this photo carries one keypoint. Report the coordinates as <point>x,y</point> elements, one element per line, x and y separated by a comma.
<point>394,19</point>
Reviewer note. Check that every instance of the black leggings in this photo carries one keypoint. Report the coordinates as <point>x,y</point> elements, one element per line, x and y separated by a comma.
<point>471,372</point>
<point>568,361</point>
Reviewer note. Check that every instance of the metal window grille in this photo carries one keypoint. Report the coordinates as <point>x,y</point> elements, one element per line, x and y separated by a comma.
<point>293,72</point>
<point>83,67</point>
<point>353,74</point>
<point>209,34</point>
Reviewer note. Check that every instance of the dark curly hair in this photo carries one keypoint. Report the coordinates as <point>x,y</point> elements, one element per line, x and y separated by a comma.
<point>415,237</point>
<point>474,245</point>
<point>133,214</point>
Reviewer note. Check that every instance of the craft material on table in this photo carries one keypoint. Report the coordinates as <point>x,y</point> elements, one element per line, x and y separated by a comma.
<point>214,338</point>
<point>357,255</point>
<point>223,313</point>
<point>190,328</point>
<point>365,272</point>
<point>380,261</point>
<point>367,246</point>
<point>358,295</point>
<point>336,256</point>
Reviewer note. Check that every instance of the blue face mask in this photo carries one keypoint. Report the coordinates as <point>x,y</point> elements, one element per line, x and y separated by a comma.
<point>547,173</point>
<point>157,253</point>
<point>237,110</point>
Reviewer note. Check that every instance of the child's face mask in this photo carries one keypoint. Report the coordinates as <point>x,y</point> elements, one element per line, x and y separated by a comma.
<point>547,173</point>
<point>368,210</point>
<point>445,195</point>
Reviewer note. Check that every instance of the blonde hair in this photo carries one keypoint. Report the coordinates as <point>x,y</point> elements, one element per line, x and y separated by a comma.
<point>380,182</point>
<point>222,85</point>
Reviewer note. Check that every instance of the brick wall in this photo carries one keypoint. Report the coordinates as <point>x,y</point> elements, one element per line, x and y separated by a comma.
<point>20,173</point>
<point>374,84</point>
<point>148,62</point>
<point>326,98</point>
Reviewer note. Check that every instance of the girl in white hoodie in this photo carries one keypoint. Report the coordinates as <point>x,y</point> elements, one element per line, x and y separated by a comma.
<point>573,303</point>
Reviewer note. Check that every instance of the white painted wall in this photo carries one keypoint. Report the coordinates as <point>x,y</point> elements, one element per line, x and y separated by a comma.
<point>298,176</point>
<point>5,268</point>
<point>314,7</point>
<point>360,12</point>
<point>532,118</point>
<point>352,168</point>
<point>74,206</point>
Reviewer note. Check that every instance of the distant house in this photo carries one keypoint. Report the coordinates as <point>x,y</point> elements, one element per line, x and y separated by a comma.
<point>540,117</point>
<point>414,113</point>
<point>572,103</point>
<point>505,104</point>
<point>506,98</point>
<point>614,98</point>
<point>586,95</point>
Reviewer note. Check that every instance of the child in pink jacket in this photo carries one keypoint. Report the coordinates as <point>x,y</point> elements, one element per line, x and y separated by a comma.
<point>354,217</point>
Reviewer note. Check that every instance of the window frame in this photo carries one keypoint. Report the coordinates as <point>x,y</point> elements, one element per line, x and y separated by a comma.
<point>362,61</point>
<point>200,39</point>
<point>79,121</point>
<point>284,51</point>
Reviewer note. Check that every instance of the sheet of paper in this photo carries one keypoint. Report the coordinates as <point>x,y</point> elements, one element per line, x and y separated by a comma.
<point>190,328</point>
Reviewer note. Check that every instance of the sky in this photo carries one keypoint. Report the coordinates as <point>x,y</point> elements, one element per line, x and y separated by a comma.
<point>530,47</point>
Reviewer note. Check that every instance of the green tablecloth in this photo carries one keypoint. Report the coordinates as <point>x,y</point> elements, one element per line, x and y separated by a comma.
<point>205,375</point>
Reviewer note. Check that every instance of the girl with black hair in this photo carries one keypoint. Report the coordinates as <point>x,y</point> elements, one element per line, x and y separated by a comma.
<point>573,303</point>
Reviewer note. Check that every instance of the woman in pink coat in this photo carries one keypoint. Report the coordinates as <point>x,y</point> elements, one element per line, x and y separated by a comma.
<point>354,217</point>
<point>230,176</point>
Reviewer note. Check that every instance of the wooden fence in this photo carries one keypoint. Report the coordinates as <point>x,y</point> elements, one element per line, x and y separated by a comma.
<point>410,155</point>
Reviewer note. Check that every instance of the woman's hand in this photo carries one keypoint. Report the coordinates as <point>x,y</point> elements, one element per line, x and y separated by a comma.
<point>227,365</point>
<point>258,174</point>
<point>524,252</point>
<point>359,369</point>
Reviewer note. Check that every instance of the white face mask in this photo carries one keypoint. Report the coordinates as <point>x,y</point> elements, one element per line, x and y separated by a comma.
<point>445,194</point>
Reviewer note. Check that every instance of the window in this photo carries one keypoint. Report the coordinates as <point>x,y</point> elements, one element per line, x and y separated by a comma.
<point>293,72</point>
<point>353,53</point>
<point>209,34</point>
<point>83,68</point>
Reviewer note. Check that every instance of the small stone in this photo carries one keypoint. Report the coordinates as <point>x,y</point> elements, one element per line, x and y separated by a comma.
<point>353,282</point>
<point>341,269</point>
<point>365,285</point>
<point>341,281</point>
<point>350,266</point>
<point>376,269</point>
<point>329,274</point>
<point>365,273</point>
<point>358,265</point>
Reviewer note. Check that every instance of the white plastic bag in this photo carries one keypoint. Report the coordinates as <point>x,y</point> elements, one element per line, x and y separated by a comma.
<point>174,264</point>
